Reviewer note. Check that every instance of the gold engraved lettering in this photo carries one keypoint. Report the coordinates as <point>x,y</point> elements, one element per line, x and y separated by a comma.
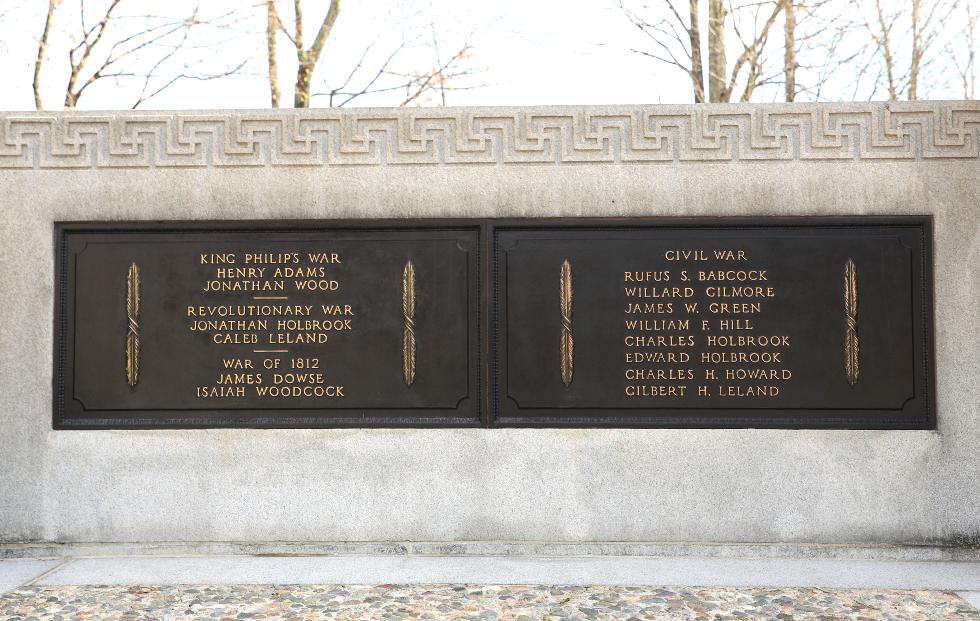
<point>851,350</point>
<point>655,390</point>
<point>133,331</point>
<point>566,345</point>
<point>733,275</point>
<point>408,336</point>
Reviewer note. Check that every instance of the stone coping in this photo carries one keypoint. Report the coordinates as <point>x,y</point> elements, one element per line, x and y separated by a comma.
<point>925,553</point>
<point>640,134</point>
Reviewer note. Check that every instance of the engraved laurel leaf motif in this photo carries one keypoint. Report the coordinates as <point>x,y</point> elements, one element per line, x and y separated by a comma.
<point>566,347</point>
<point>132,332</point>
<point>851,347</point>
<point>408,310</point>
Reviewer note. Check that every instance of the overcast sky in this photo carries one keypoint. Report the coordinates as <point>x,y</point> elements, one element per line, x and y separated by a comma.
<point>527,52</point>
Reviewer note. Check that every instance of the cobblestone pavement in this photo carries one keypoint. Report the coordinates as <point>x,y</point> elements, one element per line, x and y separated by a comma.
<point>479,603</point>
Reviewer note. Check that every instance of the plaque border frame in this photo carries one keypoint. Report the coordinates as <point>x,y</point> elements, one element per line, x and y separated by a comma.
<point>486,314</point>
<point>250,418</point>
<point>842,419</point>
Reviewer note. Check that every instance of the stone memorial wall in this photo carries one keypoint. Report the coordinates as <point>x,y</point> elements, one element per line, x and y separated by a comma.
<point>485,352</point>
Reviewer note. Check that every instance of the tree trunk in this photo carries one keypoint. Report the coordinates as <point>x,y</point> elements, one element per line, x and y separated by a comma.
<point>270,34</point>
<point>916,60</point>
<point>697,69</point>
<point>303,76</point>
<point>41,49</point>
<point>308,58</point>
<point>969,71</point>
<point>886,49</point>
<point>717,63</point>
<point>789,54</point>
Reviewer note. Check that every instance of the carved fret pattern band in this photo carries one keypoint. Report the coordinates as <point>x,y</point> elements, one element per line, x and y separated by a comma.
<point>851,349</point>
<point>505,136</point>
<point>566,346</point>
<point>133,331</point>
<point>408,310</point>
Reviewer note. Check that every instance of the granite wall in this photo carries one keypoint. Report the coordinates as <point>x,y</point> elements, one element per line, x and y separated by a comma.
<point>524,485</point>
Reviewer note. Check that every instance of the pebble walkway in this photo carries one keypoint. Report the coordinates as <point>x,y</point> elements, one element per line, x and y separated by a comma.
<point>476,603</point>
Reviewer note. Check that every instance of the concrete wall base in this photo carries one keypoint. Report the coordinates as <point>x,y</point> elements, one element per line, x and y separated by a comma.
<point>40,550</point>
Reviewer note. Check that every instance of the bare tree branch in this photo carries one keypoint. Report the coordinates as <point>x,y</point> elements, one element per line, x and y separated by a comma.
<point>751,54</point>
<point>966,68</point>
<point>187,76</point>
<point>84,50</point>
<point>688,41</point>
<point>134,47</point>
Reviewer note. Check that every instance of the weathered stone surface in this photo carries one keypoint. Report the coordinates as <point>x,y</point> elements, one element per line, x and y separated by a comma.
<point>478,602</point>
<point>470,484</point>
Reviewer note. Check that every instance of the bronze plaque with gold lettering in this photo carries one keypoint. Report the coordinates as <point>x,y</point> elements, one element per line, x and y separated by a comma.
<point>710,322</point>
<point>714,323</point>
<point>267,325</point>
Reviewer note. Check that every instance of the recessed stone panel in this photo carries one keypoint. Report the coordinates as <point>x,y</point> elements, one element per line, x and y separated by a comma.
<point>711,323</point>
<point>271,325</point>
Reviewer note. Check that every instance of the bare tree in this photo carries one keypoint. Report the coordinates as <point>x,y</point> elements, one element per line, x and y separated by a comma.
<point>752,49</point>
<point>694,36</point>
<point>916,63</point>
<point>675,39</point>
<point>42,47</point>
<point>789,48</point>
<point>965,58</point>
<point>271,28</point>
<point>913,27</point>
<point>717,63</point>
<point>812,39</point>
<point>79,55</point>
<point>440,77</point>
<point>928,21</point>
<point>851,49</point>
<point>881,34</point>
<point>150,52</point>
<point>377,69</point>
<point>306,58</point>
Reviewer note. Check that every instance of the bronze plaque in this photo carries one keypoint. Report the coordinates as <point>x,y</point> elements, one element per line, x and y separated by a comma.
<point>714,323</point>
<point>774,322</point>
<point>267,325</point>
